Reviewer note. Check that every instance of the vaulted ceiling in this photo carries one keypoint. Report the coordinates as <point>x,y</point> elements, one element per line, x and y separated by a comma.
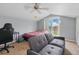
<point>17,10</point>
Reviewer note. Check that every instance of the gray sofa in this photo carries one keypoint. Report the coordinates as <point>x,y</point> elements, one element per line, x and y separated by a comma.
<point>46,44</point>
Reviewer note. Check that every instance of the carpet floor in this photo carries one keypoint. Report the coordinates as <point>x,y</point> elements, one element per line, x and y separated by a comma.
<point>71,48</point>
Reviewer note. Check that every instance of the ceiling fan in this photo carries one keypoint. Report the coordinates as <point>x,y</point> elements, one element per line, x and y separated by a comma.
<point>36,7</point>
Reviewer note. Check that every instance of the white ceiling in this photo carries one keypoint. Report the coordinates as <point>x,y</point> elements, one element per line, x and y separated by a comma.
<point>17,10</point>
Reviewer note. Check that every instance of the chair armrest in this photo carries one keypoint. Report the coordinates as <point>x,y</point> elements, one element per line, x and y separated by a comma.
<point>62,38</point>
<point>31,52</point>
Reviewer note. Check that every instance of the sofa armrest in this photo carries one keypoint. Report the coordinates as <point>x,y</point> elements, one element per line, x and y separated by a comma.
<point>62,38</point>
<point>31,52</point>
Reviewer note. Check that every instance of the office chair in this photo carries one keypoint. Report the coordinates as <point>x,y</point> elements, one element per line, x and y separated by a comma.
<point>6,35</point>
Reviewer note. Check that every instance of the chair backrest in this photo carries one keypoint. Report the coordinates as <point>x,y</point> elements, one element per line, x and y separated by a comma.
<point>8,26</point>
<point>5,36</point>
<point>6,33</point>
<point>38,42</point>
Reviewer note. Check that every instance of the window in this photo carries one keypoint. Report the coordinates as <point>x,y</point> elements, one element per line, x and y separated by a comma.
<point>54,25</point>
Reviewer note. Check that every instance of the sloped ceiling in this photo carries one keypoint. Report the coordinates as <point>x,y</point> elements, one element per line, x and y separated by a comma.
<point>17,10</point>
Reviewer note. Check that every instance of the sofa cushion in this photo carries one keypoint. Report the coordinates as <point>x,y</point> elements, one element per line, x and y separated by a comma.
<point>49,36</point>
<point>38,42</point>
<point>58,42</point>
<point>51,50</point>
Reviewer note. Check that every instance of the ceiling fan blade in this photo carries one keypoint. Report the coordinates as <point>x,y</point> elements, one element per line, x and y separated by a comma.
<point>44,8</point>
<point>33,10</point>
<point>28,7</point>
<point>38,11</point>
